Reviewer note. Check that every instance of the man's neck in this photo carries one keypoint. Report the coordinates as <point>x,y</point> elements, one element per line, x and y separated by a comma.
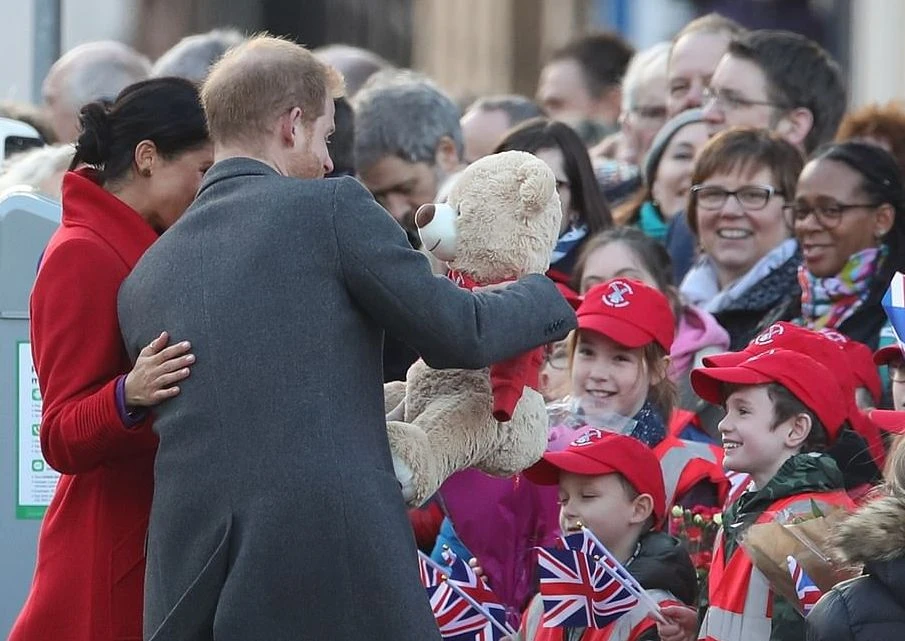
<point>225,152</point>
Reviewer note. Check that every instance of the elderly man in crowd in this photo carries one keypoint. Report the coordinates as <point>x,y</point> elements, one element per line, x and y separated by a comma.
<point>91,71</point>
<point>191,58</point>
<point>408,143</point>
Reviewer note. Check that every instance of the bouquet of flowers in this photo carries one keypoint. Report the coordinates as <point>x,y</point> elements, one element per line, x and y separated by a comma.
<point>803,537</point>
<point>697,528</point>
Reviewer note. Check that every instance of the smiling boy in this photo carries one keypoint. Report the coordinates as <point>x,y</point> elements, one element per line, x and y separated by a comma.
<point>783,409</point>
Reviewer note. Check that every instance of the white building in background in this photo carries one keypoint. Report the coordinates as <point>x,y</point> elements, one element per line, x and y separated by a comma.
<point>82,21</point>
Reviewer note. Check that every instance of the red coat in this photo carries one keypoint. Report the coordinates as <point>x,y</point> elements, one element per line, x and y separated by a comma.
<point>88,582</point>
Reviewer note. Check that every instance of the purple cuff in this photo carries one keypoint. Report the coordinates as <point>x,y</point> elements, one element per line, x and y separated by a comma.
<point>129,416</point>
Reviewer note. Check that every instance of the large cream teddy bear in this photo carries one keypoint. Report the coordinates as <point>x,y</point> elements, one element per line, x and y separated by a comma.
<point>500,222</point>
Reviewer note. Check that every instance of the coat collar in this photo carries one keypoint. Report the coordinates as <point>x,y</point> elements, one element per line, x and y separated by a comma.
<point>88,205</point>
<point>234,168</point>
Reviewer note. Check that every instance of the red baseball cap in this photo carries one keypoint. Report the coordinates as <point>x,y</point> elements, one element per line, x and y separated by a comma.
<point>831,349</point>
<point>596,453</point>
<point>889,420</point>
<point>860,361</point>
<point>629,312</point>
<point>888,354</point>
<point>783,335</point>
<point>805,377</point>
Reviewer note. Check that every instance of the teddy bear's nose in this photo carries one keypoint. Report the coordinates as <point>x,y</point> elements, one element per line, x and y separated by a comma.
<point>424,215</point>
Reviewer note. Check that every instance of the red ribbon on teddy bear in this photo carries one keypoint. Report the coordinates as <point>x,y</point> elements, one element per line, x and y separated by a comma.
<point>507,378</point>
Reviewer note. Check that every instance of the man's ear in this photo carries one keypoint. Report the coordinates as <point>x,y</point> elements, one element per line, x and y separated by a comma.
<point>795,125</point>
<point>446,156</point>
<point>290,126</point>
<point>799,428</point>
<point>642,508</point>
<point>609,103</point>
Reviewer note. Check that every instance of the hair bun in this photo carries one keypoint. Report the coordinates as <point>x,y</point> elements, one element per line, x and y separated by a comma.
<point>96,137</point>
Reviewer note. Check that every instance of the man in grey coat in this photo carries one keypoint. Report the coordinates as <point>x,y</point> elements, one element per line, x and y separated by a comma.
<point>276,513</point>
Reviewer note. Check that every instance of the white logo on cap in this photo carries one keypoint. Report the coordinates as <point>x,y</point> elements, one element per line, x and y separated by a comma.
<point>587,438</point>
<point>766,337</point>
<point>834,336</point>
<point>616,297</point>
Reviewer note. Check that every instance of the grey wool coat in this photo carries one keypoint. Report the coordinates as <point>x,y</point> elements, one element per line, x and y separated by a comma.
<point>276,513</point>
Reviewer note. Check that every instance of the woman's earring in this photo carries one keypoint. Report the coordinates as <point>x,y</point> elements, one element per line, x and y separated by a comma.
<point>145,171</point>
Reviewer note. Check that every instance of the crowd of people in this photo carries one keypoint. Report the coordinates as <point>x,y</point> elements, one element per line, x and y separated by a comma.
<point>722,344</point>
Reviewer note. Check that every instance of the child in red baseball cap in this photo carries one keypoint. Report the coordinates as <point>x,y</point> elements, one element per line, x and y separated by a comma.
<point>783,408</point>
<point>612,484</point>
<point>891,356</point>
<point>619,362</point>
<point>619,356</point>
<point>858,450</point>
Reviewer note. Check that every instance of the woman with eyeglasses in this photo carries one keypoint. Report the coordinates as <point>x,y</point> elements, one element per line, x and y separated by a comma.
<point>748,267</point>
<point>849,218</point>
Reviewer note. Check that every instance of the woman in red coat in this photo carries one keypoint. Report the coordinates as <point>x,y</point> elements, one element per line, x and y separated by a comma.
<point>145,157</point>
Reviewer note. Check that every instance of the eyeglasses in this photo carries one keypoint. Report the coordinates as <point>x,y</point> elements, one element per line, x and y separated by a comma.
<point>729,101</point>
<point>750,197</point>
<point>896,371</point>
<point>557,356</point>
<point>828,214</point>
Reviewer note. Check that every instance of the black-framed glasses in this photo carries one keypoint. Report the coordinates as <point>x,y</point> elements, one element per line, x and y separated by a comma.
<point>750,197</point>
<point>556,355</point>
<point>828,214</point>
<point>729,100</point>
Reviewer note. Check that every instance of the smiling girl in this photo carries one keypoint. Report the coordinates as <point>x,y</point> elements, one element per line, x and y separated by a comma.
<point>620,356</point>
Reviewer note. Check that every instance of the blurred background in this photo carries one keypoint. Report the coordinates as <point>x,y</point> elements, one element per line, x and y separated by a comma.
<point>470,47</point>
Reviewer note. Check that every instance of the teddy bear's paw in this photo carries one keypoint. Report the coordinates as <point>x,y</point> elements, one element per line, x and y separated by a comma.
<point>413,462</point>
<point>393,395</point>
<point>406,477</point>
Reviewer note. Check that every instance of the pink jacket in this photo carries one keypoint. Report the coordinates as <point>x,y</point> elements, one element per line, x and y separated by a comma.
<point>698,330</point>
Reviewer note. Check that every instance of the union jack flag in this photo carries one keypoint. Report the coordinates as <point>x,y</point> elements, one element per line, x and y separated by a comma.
<point>581,542</point>
<point>577,591</point>
<point>464,577</point>
<point>453,597</point>
<point>431,577</point>
<point>894,305</point>
<point>808,593</point>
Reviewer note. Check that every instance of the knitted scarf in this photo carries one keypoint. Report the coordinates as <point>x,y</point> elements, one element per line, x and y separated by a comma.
<point>828,302</point>
<point>649,427</point>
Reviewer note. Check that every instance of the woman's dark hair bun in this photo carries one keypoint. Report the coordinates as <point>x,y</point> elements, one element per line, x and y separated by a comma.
<point>96,137</point>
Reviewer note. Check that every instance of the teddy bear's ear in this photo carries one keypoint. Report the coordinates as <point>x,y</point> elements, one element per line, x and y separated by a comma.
<point>536,185</point>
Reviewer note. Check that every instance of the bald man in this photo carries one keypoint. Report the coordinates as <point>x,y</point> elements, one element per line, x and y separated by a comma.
<point>91,71</point>
<point>277,514</point>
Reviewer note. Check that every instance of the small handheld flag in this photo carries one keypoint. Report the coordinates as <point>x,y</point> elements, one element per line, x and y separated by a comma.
<point>579,591</point>
<point>463,605</point>
<point>808,593</point>
<point>894,306</point>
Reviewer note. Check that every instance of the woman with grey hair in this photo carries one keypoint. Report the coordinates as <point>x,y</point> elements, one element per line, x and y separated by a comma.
<point>643,106</point>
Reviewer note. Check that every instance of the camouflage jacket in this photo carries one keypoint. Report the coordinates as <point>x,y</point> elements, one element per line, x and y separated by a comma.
<point>800,474</point>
